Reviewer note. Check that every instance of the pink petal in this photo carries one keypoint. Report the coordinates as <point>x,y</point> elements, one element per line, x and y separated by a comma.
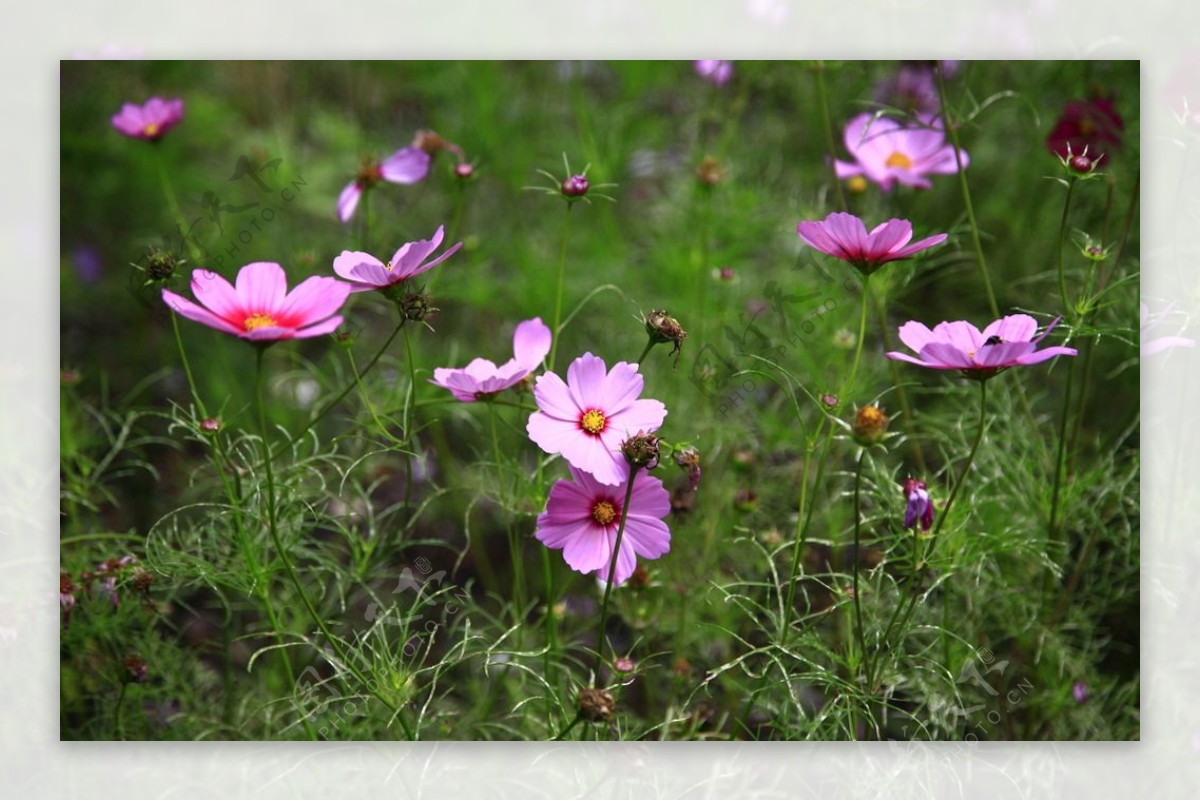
<point>915,335</point>
<point>217,294</point>
<point>348,200</point>
<point>312,300</point>
<point>585,381</point>
<point>648,537</point>
<point>319,329</point>
<point>261,287</point>
<point>408,165</point>
<point>345,264</point>
<point>1003,355</point>
<point>650,497</point>
<point>620,388</point>
<point>887,237</point>
<point>531,343</point>
<point>904,357</point>
<point>626,564</point>
<point>550,433</point>
<point>960,334</point>
<point>946,356</point>
<point>588,550</point>
<point>1047,353</point>
<point>641,415</point>
<point>198,314</point>
<point>554,398</point>
<point>925,243</point>
<point>1013,328</point>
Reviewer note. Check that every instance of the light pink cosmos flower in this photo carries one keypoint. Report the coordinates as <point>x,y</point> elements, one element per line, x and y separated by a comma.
<point>845,236</point>
<point>260,308</point>
<point>582,517</point>
<point>149,121</point>
<point>366,273</point>
<point>587,418</point>
<point>408,165</point>
<point>714,71</point>
<point>887,152</point>
<point>481,378</point>
<point>1007,342</point>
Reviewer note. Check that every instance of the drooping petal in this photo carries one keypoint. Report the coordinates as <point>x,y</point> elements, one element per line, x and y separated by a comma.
<point>409,165</point>
<point>198,314</point>
<point>927,242</point>
<point>1046,353</point>
<point>904,357</point>
<point>349,260</point>
<point>218,295</point>
<point>348,200</point>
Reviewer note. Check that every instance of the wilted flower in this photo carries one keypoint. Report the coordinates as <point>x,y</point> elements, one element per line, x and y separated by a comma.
<point>582,517</point>
<point>845,236</point>
<point>661,327</point>
<point>688,460</point>
<point>66,596</point>
<point>367,273</point>
<point>710,172</point>
<point>1086,126</point>
<point>920,508</point>
<point>714,71</point>
<point>482,378</point>
<point>149,121</point>
<point>886,152</point>
<point>260,308</point>
<point>596,705</point>
<point>641,450</point>
<point>588,417</point>
<point>408,165</point>
<point>1007,342</point>
<point>870,425</point>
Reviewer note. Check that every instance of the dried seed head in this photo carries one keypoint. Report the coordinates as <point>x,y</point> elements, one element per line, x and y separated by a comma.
<point>641,450</point>
<point>596,705</point>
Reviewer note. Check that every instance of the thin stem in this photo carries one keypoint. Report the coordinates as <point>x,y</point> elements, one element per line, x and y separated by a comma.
<point>118,730</point>
<point>703,277</point>
<point>649,346</point>
<point>818,70</point>
<point>562,269</point>
<point>905,406</point>
<point>918,564</point>
<point>804,515</point>
<point>952,130</point>
<point>1053,534</point>
<point>551,624</point>
<point>1062,239</point>
<point>187,368</point>
<point>862,334</point>
<point>612,568</point>
<point>273,528</point>
<point>858,621</point>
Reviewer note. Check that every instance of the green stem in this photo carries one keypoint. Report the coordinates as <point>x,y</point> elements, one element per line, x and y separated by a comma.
<point>649,346</point>
<point>906,407</point>
<point>862,334</point>
<point>919,563</point>
<point>818,70</point>
<point>952,130</point>
<point>273,529</point>
<point>1062,238</point>
<point>118,731</point>
<point>858,621</point>
<point>612,568</point>
<point>804,516</point>
<point>1053,534</point>
<point>558,295</point>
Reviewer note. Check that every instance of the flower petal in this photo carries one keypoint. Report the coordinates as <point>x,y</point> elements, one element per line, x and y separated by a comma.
<point>198,314</point>
<point>1013,328</point>
<point>915,335</point>
<point>313,300</point>
<point>345,264</point>
<point>348,200</point>
<point>585,380</point>
<point>531,343</point>
<point>218,295</point>
<point>261,287</point>
<point>409,165</point>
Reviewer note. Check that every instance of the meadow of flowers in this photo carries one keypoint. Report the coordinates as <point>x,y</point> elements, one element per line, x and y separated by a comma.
<point>655,401</point>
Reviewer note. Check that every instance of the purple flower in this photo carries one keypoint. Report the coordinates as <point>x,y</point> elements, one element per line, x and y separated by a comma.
<point>887,152</point>
<point>714,71</point>
<point>366,273</point>
<point>845,236</point>
<point>589,417</point>
<point>582,517</point>
<point>920,508</point>
<point>1007,342</point>
<point>1080,692</point>
<point>481,378</point>
<point>149,121</point>
<point>408,165</point>
<point>911,87</point>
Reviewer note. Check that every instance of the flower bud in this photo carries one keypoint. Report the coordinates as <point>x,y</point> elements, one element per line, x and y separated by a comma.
<point>641,450</point>
<point>575,186</point>
<point>829,400</point>
<point>160,265</point>
<point>210,425</point>
<point>464,170</point>
<point>416,306</point>
<point>710,172</point>
<point>596,705</point>
<point>920,507</point>
<point>870,425</point>
<point>661,327</point>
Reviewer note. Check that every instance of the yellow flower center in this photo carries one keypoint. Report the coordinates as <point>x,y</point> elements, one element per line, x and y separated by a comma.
<point>898,159</point>
<point>592,421</point>
<point>604,513</point>
<point>152,129</point>
<point>259,321</point>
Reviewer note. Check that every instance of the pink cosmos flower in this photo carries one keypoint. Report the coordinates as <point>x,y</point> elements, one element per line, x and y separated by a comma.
<point>587,418</point>
<point>408,165</point>
<point>887,152</point>
<point>481,378</point>
<point>1007,342</point>
<point>845,236</point>
<point>260,308</point>
<point>714,71</point>
<point>366,273</point>
<point>582,517</point>
<point>149,121</point>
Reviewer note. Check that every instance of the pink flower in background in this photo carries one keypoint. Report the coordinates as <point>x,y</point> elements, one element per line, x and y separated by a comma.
<point>1007,342</point>
<point>582,517</point>
<point>845,237</point>
<point>480,378</point>
<point>408,165</point>
<point>366,273</point>
<point>1160,344</point>
<point>887,152</point>
<point>714,71</point>
<point>259,307</point>
<point>149,121</point>
<point>587,418</point>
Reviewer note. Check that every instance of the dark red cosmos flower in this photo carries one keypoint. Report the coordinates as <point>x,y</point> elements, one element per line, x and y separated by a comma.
<point>1092,124</point>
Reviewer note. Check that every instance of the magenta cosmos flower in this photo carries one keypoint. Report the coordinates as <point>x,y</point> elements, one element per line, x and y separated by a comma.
<point>887,152</point>
<point>481,378</point>
<point>149,121</point>
<point>714,71</point>
<point>845,236</point>
<point>1007,342</point>
<point>582,517</point>
<point>366,273</point>
<point>408,165</point>
<point>587,418</point>
<point>259,307</point>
